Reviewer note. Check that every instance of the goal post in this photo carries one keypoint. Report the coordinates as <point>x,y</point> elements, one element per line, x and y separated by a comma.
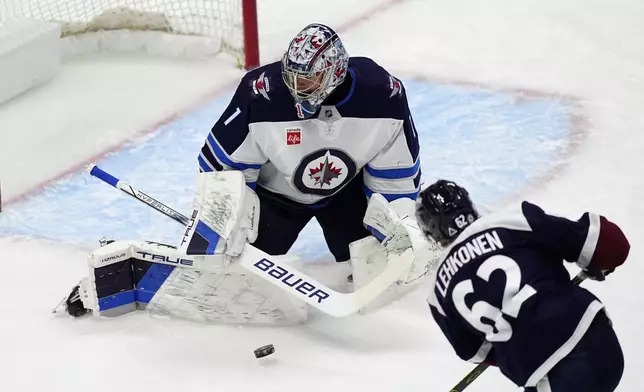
<point>228,26</point>
<point>251,34</point>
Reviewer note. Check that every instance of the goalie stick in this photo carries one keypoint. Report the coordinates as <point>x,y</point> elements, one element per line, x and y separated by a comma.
<point>282,275</point>
<point>142,197</point>
<point>481,367</point>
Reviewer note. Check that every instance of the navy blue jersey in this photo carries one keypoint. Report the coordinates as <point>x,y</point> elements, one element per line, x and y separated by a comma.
<point>363,129</point>
<point>502,293</point>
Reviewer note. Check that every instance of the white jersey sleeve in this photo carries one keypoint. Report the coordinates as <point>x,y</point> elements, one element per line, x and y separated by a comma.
<point>395,171</point>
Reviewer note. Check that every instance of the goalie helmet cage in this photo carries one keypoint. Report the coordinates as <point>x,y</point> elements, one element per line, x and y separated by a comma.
<point>231,23</point>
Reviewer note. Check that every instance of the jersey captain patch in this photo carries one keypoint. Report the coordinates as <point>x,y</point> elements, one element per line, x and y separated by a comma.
<point>323,172</point>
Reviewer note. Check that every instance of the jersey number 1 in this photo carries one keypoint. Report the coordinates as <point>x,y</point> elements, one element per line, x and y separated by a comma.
<point>498,330</point>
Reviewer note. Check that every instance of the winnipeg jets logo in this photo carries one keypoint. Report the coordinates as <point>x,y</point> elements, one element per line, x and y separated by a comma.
<point>324,172</point>
<point>395,86</point>
<point>261,86</point>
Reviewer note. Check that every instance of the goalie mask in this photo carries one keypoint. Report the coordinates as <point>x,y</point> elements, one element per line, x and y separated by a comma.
<point>314,64</point>
<point>444,210</point>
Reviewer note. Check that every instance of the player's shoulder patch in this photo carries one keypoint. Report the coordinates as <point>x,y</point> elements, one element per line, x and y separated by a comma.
<point>395,86</point>
<point>261,86</point>
<point>262,81</point>
<point>377,80</point>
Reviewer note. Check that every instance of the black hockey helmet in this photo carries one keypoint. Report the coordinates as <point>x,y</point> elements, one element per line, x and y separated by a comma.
<point>444,210</point>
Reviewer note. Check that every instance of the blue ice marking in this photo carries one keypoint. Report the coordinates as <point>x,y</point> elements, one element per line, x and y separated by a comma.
<point>494,143</point>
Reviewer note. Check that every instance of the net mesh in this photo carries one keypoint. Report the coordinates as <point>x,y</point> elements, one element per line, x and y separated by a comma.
<point>221,19</point>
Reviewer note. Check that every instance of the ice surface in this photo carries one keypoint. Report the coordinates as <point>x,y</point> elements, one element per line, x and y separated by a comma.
<point>461,127</point>
<point>586,54</point>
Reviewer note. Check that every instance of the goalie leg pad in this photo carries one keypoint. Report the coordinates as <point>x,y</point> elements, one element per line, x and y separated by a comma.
<point>369,259</point>
<point>394,231</point>
<point>132,275</point>
<point>120,281</point>
<point>230,296</point>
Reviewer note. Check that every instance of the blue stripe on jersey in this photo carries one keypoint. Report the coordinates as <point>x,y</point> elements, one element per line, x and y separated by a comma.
<point>353,87</point>
<point>391,196</point>
<point>224,158</point>
<point>252,185</point>
<point>417,178</point>
<point>397,173</point>
<point>203,165</point>
<point>209,158</point>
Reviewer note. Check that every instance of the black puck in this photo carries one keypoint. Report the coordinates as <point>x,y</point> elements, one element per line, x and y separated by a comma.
<point>264,351</point>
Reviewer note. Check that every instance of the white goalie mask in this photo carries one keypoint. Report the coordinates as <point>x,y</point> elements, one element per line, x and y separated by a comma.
<point>314,64</point>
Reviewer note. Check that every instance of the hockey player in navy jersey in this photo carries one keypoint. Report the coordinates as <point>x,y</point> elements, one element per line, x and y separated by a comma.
<point>316,134</point>
<point>502,295</point>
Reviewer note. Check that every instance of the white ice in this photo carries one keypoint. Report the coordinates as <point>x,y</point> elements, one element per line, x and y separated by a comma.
<point>591,51</point>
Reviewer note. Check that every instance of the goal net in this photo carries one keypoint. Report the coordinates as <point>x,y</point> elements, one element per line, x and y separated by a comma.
<point>231,23</point>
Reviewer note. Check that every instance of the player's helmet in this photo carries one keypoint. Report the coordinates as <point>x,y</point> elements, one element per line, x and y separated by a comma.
<point>444,210</point>
<point>313,66</point>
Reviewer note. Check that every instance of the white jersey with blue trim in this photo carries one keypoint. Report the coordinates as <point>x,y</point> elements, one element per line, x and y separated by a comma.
<point>364,128</point>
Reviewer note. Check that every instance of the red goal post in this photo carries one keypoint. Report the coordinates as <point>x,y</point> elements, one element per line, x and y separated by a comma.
<point>251,34</point>
<point>228,26</point>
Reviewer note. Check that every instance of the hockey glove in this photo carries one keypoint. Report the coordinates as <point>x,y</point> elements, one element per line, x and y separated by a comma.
<point>611,250</point>
<point>598,275</point>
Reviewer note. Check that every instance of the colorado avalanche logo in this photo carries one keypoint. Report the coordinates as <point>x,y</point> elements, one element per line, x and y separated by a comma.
<point>324,172</point>
<point>261,86</point>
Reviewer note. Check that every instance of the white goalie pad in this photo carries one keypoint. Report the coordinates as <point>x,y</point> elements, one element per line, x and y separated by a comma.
<point>135,275</point>
<point>369,259</point>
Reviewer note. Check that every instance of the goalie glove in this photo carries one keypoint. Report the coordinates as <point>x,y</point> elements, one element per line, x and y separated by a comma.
<point>394,225</point>
<point>224,217</point>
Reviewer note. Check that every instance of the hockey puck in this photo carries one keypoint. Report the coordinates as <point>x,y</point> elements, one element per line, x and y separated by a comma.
<point>264,351</point>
